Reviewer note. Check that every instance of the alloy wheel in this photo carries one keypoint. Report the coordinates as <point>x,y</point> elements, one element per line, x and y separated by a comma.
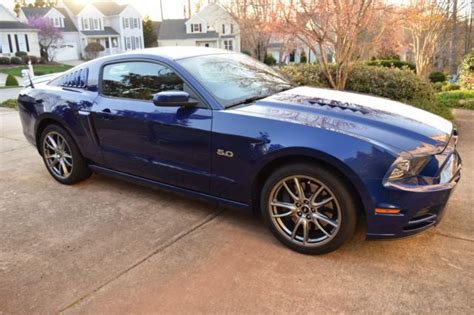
<point>304,210</point>
<point>57,154</point>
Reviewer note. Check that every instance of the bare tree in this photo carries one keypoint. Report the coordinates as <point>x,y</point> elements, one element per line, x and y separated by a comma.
<point>341,28</point>
<point>452,52</point>
<point>256,20</point>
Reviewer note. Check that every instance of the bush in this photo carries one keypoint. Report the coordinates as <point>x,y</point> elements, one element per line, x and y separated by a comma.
<point>303,58</point>
<point>21,54</point>
<point>11,81</point>
<point>4,61</point>
<point>25,59</point>
<point>93,50</point>
<point>15,61</point>
<point>269,60</point>
<point>10,103</point>
<point>246,52</point>
<point>394,63</point>
<point>396,84</point>
<point>450,87</point>
<point>304,74</point>
<point>438,86</point>
<point>437,77</point>
<point>34,60</point>
<point>466,78</point>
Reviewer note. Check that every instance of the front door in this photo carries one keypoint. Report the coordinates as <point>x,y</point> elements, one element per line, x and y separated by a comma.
<point>167,144</point>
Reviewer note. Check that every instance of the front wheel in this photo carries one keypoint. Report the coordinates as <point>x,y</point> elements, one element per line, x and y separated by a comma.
<point>308,208</point>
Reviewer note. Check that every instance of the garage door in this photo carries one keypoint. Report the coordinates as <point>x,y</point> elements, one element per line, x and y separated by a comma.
<point>66,51</point>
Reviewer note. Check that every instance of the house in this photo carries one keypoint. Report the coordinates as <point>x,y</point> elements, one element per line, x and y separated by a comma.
<point>116,27</point>
<point>16,36</point>
<point>294,52</point>
<point>212,26</point>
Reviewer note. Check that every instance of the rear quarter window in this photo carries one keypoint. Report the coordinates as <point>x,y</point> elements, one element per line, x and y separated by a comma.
<point>75,79</point>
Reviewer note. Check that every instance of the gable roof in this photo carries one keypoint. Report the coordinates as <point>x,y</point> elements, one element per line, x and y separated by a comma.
<point>73,6</point>
<point>14,25</point>
<point>31,12</point>
<point>176,29</point>
<point>109,8</point>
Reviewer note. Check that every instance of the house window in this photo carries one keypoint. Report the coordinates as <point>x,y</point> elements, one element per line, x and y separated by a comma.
<point>223,28</point>
<point>114,42</point>
<point>96,24</point>
<point>129,46</point>
<point>232,28</point>
<point>135,23</point>
<point>137,42</point>
<point>133,42</point>
<point>229,44</point>
<point>125,23</point>
<point>85,24</point>
<point>107,44</point>
<point>196,28</point>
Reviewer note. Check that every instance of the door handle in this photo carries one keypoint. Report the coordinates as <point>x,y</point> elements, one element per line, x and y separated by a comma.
<point>107,114</point>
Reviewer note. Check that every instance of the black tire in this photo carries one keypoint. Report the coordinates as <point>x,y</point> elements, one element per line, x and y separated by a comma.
<point>79,169</point>
<point>341,210</point>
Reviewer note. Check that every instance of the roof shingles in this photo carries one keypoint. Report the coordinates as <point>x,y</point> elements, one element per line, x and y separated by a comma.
<point>176,29</point>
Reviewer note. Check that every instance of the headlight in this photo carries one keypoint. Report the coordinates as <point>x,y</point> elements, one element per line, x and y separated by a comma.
<point>406,167</point>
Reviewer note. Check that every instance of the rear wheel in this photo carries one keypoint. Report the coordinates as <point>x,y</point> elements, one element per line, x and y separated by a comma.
<point>62,156</point>
<point>308,208</point>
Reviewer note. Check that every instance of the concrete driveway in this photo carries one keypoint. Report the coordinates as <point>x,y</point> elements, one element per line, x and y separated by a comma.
<point>106,246</point>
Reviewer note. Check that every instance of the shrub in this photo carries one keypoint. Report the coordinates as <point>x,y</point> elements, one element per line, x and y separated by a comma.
<point>246,52</point>
<point>450,87</point>
<point>40,73</point>
<point>303,58</point>
<point>304,74</point>
<point>15,61</point>
<point>93,50</point>
<point>396,84</point>
<point>438,86</point>
<point>11,81</point>
<point>4,61</point>
<point>394,63</point>
<point>269,60</point>
<point>21,54</point>
<point>25,59</point>
<point>34,60</point>
<point>10,103</point>
<point>437,77</point>
<point>466,78</point>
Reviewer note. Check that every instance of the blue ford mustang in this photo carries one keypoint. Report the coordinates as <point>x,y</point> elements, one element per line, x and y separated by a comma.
<point>223,127</point>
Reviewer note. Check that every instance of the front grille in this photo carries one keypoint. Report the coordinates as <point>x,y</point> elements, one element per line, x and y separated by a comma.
<point>421,220</point>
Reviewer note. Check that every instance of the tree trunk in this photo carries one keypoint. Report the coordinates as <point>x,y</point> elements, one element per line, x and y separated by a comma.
<point>453,48</point>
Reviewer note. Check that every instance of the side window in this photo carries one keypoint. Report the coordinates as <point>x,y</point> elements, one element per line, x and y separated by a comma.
<point>139,80</point>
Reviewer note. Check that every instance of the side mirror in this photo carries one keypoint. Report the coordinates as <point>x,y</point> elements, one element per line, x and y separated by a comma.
<point>173,98</point>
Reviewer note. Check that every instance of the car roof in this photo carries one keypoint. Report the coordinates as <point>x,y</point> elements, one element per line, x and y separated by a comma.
<point>178,52</point>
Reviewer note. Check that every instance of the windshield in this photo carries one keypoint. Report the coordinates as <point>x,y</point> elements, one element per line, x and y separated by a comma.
<point>235,78</point>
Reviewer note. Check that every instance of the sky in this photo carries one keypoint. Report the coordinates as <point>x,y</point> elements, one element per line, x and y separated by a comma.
<point>172,9</point>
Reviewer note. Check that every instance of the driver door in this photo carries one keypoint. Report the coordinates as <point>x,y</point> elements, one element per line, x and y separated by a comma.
<point>166,144</point>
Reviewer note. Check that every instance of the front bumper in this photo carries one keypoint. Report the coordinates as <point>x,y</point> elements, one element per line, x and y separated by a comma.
<point>421,207</point>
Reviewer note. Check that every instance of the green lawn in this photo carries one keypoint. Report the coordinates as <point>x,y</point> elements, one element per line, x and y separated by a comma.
<point>39,69</point>
<point>456,99</point>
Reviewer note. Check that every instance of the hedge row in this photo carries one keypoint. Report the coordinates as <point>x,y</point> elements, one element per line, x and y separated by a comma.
<point>393,83</point>
<point>20,60</point>
<point>397,84</point>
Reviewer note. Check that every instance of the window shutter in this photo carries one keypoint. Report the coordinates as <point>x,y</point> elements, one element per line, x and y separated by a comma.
<point>10,43</point>
<point>200,28</point>
<point>16,43</point>
<point>27,43</point>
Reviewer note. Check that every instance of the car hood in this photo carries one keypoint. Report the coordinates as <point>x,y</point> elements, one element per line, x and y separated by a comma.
<point>388,123</point>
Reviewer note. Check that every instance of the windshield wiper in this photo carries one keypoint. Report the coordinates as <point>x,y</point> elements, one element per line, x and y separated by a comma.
<point>247,101</point>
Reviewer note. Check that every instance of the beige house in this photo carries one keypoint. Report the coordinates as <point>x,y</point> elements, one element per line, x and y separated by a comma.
<point>16,36</point>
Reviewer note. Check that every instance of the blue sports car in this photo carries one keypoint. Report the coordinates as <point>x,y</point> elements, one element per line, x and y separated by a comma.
<point>223,127</point>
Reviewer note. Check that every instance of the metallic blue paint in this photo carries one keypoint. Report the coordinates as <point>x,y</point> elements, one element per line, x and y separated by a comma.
<point>175,147</point>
